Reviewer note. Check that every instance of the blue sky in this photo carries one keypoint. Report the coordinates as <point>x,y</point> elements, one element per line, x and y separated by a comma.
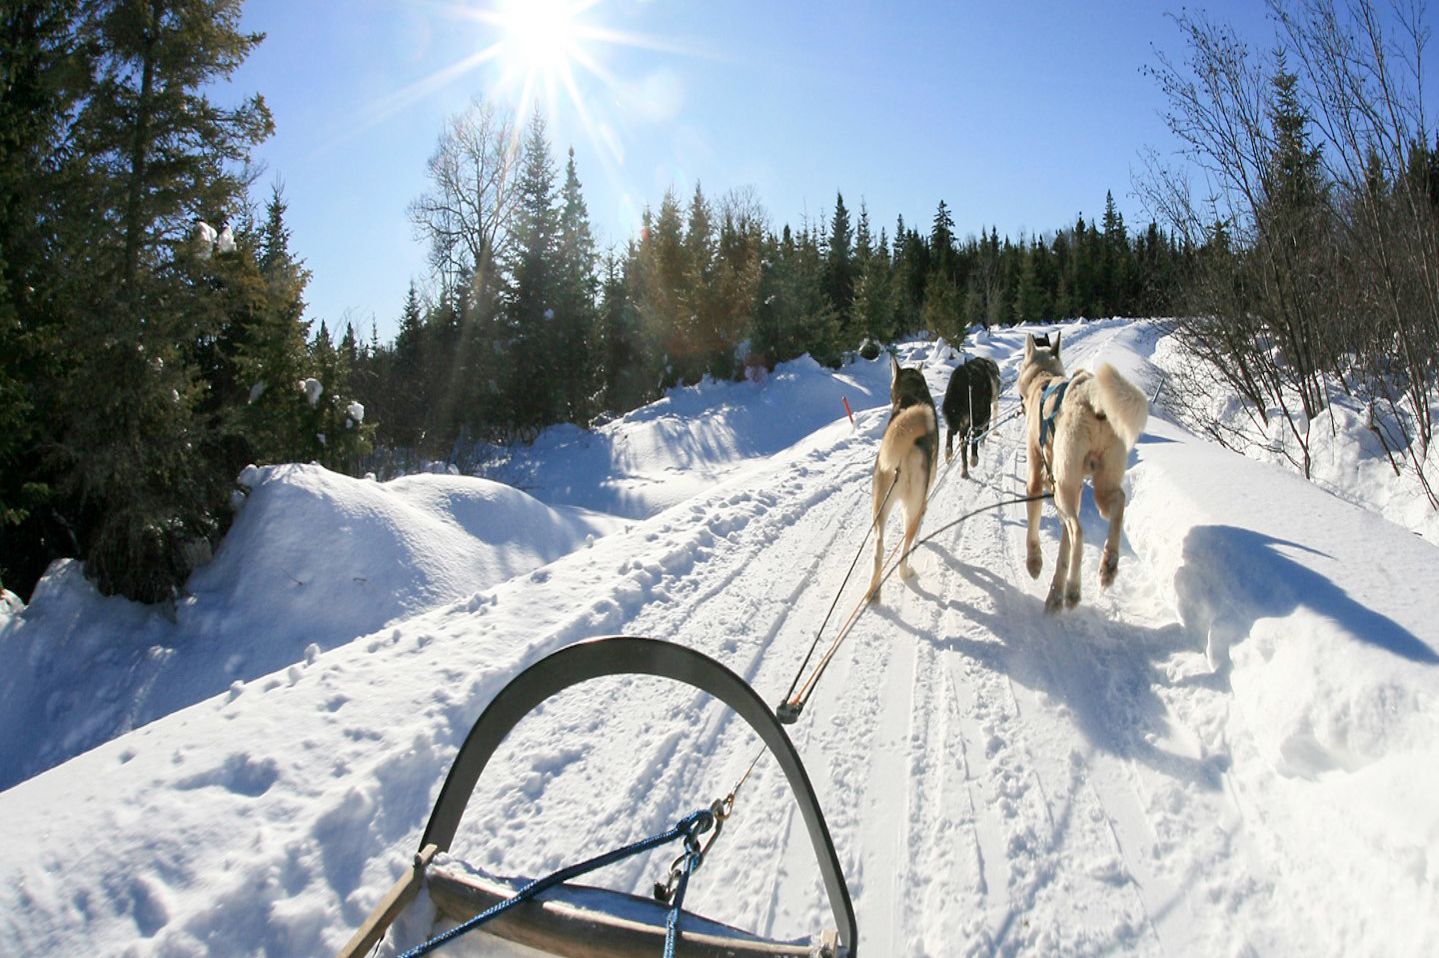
<point>1018,115</point>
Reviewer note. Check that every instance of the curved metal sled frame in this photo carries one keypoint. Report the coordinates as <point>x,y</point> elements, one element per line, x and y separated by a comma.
<point>598,658</point>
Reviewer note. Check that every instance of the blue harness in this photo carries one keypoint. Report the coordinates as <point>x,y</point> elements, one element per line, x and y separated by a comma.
<point>1046,423</point>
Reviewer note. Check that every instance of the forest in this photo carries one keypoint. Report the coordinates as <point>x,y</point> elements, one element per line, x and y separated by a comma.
<point>154,337</point>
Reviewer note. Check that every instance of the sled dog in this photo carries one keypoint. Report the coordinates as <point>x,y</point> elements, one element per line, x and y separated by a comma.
<point>971,403</point>
<point>904,468</point>
<point>1077,426</point>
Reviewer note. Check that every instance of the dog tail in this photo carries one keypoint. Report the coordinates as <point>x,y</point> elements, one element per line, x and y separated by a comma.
<point>911,427</point>
<point>1122,402</point>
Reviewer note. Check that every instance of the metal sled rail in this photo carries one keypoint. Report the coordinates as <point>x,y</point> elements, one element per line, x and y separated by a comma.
<point>560,927</point>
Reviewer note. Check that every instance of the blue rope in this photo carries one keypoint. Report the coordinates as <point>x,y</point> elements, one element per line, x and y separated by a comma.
<point>689,827</point>
<point>692,859</point>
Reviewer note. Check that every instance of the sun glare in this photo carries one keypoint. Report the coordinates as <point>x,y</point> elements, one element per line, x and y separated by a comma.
<point>546,56</point>
<point>540,36</point>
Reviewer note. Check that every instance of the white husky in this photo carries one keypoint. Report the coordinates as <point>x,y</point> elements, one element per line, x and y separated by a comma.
<point>1078,426</point>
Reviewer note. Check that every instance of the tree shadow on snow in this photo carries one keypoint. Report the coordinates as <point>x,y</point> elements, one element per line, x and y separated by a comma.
<point>1232,577</point>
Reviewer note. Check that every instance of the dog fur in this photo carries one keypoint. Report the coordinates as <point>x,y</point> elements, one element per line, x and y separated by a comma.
<point>971,403</point>
<point>1099,420</point>
<point>905,465</point>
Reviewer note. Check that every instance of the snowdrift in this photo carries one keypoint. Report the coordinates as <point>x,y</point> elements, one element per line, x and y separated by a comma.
<point>313,560</point>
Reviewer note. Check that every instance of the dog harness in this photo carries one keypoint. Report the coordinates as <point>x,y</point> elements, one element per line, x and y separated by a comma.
<point>1056,389</point>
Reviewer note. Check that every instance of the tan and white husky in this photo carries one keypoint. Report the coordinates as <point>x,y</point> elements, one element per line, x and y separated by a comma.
<point>1077,426</point>
<point>904,468</point>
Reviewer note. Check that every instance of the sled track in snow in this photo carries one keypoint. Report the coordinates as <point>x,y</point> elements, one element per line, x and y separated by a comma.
<point>1036,771</point>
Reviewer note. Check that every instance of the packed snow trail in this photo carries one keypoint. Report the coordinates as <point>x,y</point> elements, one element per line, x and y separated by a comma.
<point>1023,819</point>
<point>997,781</point>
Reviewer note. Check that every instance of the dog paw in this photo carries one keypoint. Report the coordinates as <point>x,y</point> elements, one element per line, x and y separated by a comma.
<point>1053,602</point>
<point>1108,566</point>
<point>1035,565</point>
<point>1071,597</point>
<point>906,571</point>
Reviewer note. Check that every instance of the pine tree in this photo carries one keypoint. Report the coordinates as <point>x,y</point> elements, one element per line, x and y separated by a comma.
<point>700,342</point>
<point>271,353</point>
<point>662,268</point>
<point>148,152</point>
<point>534,391</point>
<point>404,392</point>
<point>873,299</point>
<point>941,241</point>
<point>621,352</point>
<point>840,271</point>
<point>736,279</point>
<point>575,290</point>
<point>43,75</point>
<point>940,314</point>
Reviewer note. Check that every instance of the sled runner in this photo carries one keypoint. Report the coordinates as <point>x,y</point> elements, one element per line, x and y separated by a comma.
<point>574,919</point>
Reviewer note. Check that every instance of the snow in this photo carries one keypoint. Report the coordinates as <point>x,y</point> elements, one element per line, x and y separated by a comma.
<point>356,412</point>
<point>1234,750</point>
<point>203,239</point>
<point>313,389</point>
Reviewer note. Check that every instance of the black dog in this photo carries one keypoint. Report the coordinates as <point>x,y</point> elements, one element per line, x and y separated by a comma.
<point>970,403</point>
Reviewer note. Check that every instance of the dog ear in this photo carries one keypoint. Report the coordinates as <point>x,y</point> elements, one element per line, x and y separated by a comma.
<point>893,368</point>
<point>1028,346</point>
<point>1054,350</point>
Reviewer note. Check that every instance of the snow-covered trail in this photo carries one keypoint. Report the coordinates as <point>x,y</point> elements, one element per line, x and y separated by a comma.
<point>996,780</point>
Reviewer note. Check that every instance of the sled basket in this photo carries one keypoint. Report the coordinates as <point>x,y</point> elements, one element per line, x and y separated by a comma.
<point>582,920</point>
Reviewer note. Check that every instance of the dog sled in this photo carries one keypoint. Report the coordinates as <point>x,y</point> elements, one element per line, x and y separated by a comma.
<point>565,918</point>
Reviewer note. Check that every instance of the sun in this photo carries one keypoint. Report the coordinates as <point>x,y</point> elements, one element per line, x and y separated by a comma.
<point>550,57</point>
<point>540,39</point>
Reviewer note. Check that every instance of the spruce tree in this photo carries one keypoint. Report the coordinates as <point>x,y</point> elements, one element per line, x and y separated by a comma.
<point>840,270</point>
<point>149,152</point>
<point>44,74</point>
<point>575,312</point>
<point>533,390</point>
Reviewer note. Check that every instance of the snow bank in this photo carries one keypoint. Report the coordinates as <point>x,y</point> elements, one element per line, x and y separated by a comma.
<point>1321,617</point>
<point>314,558</point>
<point>675,448</point>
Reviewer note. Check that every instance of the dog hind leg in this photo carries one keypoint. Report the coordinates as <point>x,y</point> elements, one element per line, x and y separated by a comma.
<point>1055,599</point>
<point>883,501</point>
<point>1065,586</point>
<point>1111,506</point>
<point>910,531</point>
<point>1034,560</point>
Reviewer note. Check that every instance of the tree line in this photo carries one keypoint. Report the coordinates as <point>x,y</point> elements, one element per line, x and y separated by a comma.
<point>524,323</point>
<point>153,338</point>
